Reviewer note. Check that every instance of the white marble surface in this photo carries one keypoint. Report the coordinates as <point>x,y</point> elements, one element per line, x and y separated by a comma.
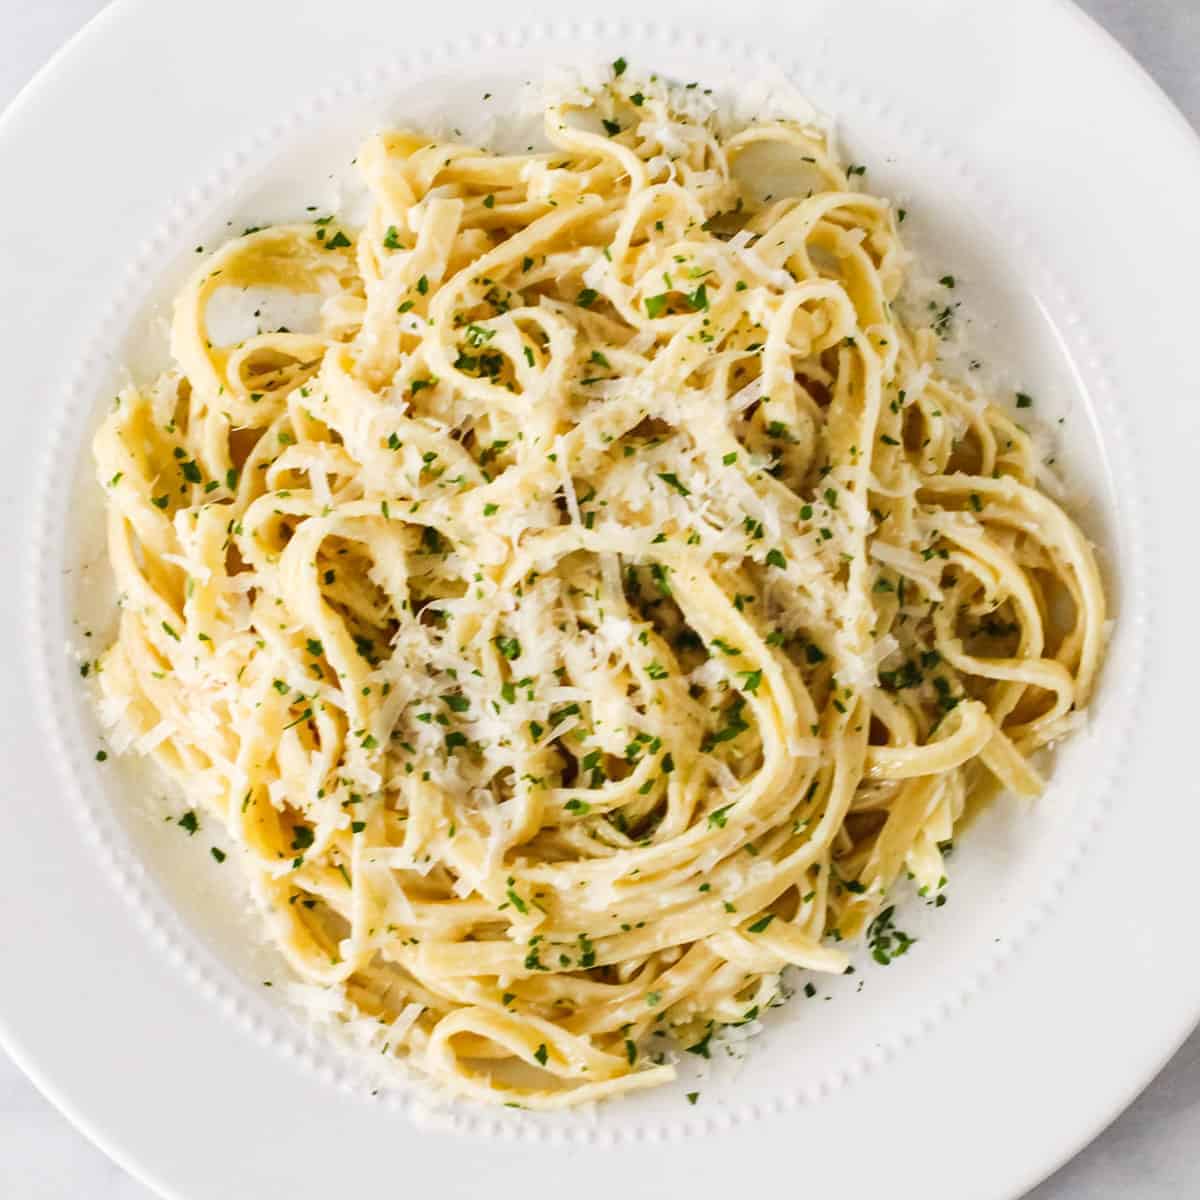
<point>1149,1153</point>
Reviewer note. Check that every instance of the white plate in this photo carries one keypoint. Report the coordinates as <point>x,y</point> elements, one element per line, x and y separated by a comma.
<point>1038,164</point>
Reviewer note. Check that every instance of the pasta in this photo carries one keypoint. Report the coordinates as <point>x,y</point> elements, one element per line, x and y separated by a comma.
<point>600,607</point>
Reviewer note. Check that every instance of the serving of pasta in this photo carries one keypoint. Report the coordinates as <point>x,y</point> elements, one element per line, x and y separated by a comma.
<point>600,606</point>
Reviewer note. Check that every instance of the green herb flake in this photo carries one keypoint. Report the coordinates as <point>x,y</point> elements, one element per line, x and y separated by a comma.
<point>510,647</point>
<point>884,940</point>
<point>752,680</point>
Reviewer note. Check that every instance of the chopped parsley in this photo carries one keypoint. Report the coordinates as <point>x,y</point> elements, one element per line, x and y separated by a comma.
<point>510,647</point>
<point>884,940</point>
<point>701,1047</point>
<point>751,680</point>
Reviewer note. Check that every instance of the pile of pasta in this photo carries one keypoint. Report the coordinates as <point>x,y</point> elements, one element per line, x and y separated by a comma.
<point>599,608</point>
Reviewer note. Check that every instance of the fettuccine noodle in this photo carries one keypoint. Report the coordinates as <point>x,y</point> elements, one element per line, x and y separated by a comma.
<point>600,608</point>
